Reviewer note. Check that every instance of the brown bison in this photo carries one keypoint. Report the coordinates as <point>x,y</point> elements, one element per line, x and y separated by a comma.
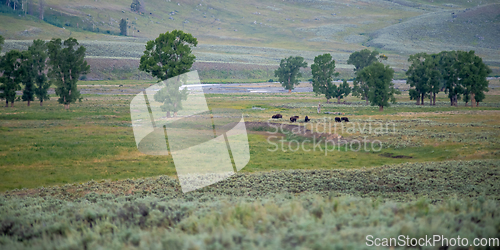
<point>277,116</point>
<point>337,119</point>
<point>294,118</point>
<point>345,119</point>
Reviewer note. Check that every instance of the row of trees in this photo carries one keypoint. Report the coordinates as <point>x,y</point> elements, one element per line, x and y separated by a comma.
<point>460,74</point>
<point>43,64</point>
<point>457,73</point>
<point>373,81</point>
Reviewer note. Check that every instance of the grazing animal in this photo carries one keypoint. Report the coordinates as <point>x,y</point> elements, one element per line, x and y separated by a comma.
<point>307,119</point>
<point>337,119</point>
<point>277,116</point>
<point>345,119</point>
<point>294,118</point>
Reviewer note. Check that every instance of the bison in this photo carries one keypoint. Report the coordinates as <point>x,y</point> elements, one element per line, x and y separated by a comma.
<point>277,116</point>
<point>337,119</point>
<point>294,118</point>
<point>307,119</point>
<point>345,119</point>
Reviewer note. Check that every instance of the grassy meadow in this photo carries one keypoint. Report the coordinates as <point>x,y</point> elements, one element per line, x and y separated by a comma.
<point>74,179</point>
<point>46,146</point>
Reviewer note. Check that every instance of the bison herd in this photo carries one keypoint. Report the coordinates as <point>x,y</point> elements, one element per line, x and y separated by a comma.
<point>296,117</point>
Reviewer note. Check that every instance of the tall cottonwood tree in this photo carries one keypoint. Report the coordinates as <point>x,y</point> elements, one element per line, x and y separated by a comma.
<point>168,56</point>
<point>379,80</point>
<point>123,27</point>
<point>424,75</point>
<point>27,77</point>
<point>34,78</point>
<point>448,64</point>
<point>10,65</point>
<point>289,72</point>
<point>472,73</point>
<point>323,70</point>
<point>67,64</point>
<point>360,60</point>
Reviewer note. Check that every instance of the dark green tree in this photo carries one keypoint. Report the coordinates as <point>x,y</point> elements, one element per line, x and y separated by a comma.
<point>435,77</point>
<point>323,71</point>
<point>169,55</point>
<point>424,76</point>
<point>360,60</point>
<point>67,64</point>
<point>363,58</point>
<point>166,57</point>
<point>448,65</point>
<point>34,77</point>
<point>27,77</point>
<point>479,97</point>
<point>289,72</point>
<point>10,67</point>
<point>2,40</point>
<point>123,27</point>
<point>381,88</point>
<point>414,95</point>
<point>343,90</point>
<point>135,6</point>
<point>472,73</point>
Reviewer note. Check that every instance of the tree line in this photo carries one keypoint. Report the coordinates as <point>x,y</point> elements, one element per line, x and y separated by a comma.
<point>373,81</point>
<point>44,63</point>
<point>457,73</point>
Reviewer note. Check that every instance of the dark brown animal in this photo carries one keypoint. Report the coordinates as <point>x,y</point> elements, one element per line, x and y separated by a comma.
<point>345,119</point>
<point>294,118</point>
<point>337,119</point>
<point>277,116</point>
<point>307,119</point>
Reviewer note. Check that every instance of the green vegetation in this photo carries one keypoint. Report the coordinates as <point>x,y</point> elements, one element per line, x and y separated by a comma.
<point>67,64</point>
<point>10,79</point>
<point>85,175</point>
<point>323,70</point>
<point>457,72</point>
<point>123,27</point>
<point>378,79</point>
<point>166,57</point>
<point>2,40</point>
<point>360,60</point>
<point>289,72</point>
<point>280,209</point>
<point>169,55</point>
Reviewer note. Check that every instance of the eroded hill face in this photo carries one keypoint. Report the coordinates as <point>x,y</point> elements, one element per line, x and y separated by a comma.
<point>263,32</point>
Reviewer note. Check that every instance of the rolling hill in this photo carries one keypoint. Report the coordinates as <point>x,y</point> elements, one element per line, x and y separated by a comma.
<point>252,34</point>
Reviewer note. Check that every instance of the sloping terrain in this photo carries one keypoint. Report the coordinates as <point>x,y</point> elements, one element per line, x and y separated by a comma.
<point>263,32</point>
<point>470,29</point>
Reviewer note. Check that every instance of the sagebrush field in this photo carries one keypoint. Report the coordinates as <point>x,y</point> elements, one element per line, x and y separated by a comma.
<point>75,179</point>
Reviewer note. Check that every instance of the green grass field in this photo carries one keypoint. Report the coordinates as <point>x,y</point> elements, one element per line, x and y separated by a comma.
<point>74,179</point>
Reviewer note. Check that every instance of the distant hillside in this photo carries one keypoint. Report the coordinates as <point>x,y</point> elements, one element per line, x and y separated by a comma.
<point>469,29</point>
<point>260,33</point>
